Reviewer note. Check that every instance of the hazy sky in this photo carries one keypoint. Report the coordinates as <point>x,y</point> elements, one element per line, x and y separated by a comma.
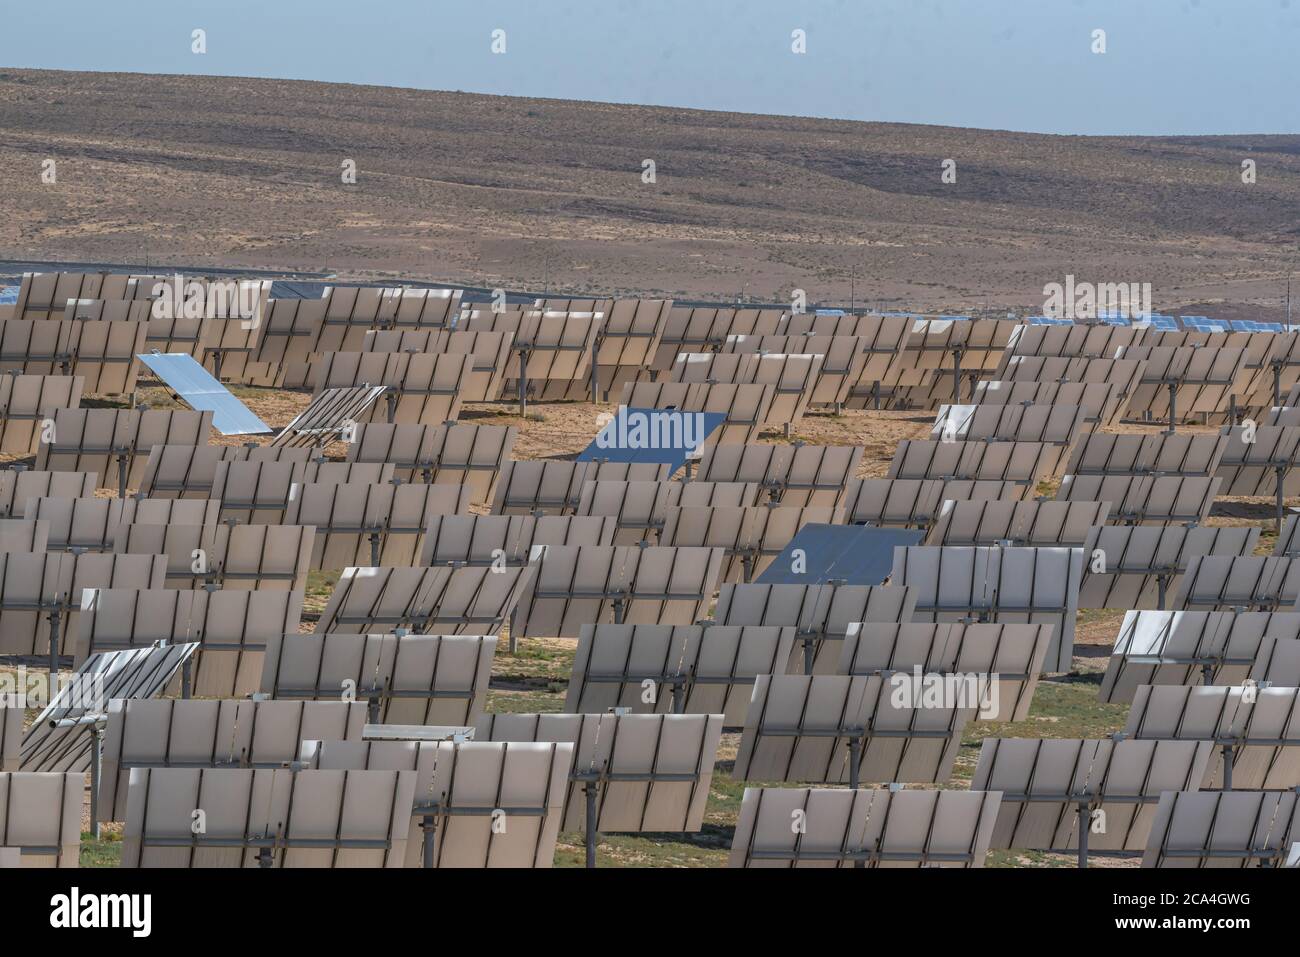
<point>1171,66</point>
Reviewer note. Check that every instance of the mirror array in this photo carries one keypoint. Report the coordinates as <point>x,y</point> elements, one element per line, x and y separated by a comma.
<point>311,634</point>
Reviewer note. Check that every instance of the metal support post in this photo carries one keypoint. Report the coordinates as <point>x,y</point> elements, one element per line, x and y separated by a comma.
<point>96,770</point>
<point>55,613</point>
<point>589,792</point>
<point>1085,822</point>
<point>523,383</point>
<point>429,825</point>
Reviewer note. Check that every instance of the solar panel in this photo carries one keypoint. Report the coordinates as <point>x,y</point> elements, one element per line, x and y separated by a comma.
<point>267,817</point>
<point>688,327</point>
<point>1288,544</point>
<point>585,584</point>
<point>1253,730</point>
<point>1025,463</point>
<point>863,828</point>
<point>233,630</point>
<point>1085,340</point>
<point>1058,425</point>
<point>1184,380</point>
<point>1264,464</point>
<point>553,487</point>
<point>1061,524</point>
<point>821,615</point>
<point>172,733</point>
<point>1063,794</point>
<point>1030,585</point>
<point>1125,374</point>
<point>484,540</point>
<point>1277,663</point>
<point>1141,565</point>
<point>842,729</point>
<point>39,595</point>
<point>26,401</point>
<point>476,803</point>
<point>259,492</point>
<point>40,817</point>
<point>471,455</point>
<point>421,388</point>
<point>199,390</point>
<point>370,524</point>
<point>112,442</point>
<point>660,436</point>
<point>844,360</point>
<point>792,474</point>
<point>917,502</point>
<point>638,510</point>
<point>490,352</point>
<point>1005,660</point>
<point>425,600</point>
<point>11,730</point>
<point>18,485</point>
<point>751,537</point>
<point>747,406</point>
<point>59,739</point>
<point>407,679</point>
<point>1282,415</point>
<point>330,414</point>
<point>1204,324</point>
<point>683,669</point>
<point>1247,582</point>
<point>1145,499</point>
<point>24,535</point>
<point>1250,325</point>
<point>851,554</point>
<point>103,353</point>
<point>627,340</point>
<point>1238,829</point>
<point>86,523</point>
<point>555,348</point>
<point>1191,647</point>
<point>1178,453</point>
<point>188,471</point>
<point>631,772</point>
<point>1100,401</point>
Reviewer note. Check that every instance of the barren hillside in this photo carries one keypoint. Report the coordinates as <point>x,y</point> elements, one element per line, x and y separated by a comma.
<point>539,193</point>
